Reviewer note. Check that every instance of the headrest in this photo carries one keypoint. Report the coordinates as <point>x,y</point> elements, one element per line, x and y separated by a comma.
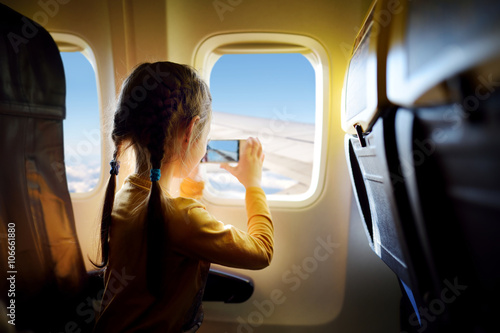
<point>31,70</point>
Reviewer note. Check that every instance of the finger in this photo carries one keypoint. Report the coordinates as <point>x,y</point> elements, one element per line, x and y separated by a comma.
<point>259,148</point>
<point>249,146</point>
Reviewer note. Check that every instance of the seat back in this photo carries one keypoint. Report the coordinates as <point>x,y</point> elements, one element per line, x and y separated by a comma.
<point>39,248</point>
<point>424,158</point>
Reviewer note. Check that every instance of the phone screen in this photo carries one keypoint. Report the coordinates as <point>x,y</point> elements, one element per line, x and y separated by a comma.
<point>222,151</point>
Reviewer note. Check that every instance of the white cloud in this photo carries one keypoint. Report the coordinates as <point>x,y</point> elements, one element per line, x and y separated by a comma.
<point>83,177</point>
<point>227,186</point>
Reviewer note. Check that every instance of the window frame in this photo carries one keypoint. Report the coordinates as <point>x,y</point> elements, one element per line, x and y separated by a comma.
<point>71,43</point>
<point>212,48</point>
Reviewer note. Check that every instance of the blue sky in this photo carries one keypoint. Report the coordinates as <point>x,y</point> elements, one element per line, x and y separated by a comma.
<point>82,148</point>
<point>255,84</point>
<point>82,106</point>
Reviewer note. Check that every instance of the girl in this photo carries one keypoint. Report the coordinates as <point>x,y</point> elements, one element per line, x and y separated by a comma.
<point>157,249</point>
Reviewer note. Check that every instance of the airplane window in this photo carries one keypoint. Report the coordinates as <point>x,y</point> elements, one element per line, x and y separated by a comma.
<point>271,96</point>
<point>82,139</point>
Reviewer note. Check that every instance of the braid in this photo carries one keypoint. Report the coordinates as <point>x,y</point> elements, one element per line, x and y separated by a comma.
<point>173,96</point>
<point>118,136</point>
<point>165,114</point>
<point>109,199</point>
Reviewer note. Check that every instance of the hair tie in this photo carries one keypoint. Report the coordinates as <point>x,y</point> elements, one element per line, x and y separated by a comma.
<point>154,175</point>
<point>115,167</point>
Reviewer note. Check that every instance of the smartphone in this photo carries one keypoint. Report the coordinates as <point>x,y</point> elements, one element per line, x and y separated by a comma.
<point>222,151</point>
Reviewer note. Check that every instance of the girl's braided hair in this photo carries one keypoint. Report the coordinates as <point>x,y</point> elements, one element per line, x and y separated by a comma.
<point>156,104</point>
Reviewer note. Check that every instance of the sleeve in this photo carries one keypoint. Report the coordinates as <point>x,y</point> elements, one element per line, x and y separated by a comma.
<point>211,240</point>
<point>190,188</point>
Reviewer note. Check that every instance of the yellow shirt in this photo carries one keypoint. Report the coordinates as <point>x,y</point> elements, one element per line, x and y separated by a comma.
<point>195,239</point>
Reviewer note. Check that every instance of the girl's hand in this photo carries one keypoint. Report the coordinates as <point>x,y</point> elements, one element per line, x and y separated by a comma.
<point>249,168</point>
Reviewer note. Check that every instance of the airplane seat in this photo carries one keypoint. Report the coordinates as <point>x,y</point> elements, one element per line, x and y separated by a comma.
<point>447,143</point>
<point>368,117</point>
<point>383,202</point>
<point>45,277</point>
<point>424,156</point>
<point>454,194</point>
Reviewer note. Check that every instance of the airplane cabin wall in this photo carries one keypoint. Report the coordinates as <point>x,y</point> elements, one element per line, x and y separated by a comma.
<point>350,290</point>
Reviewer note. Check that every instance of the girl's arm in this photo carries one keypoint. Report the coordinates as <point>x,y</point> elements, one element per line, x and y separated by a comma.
<point>204,237</point>
<point>211,240</point>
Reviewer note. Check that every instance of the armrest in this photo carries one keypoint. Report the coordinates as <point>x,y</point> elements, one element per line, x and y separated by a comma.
<point>227,288</point>
<point>220,287</point>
